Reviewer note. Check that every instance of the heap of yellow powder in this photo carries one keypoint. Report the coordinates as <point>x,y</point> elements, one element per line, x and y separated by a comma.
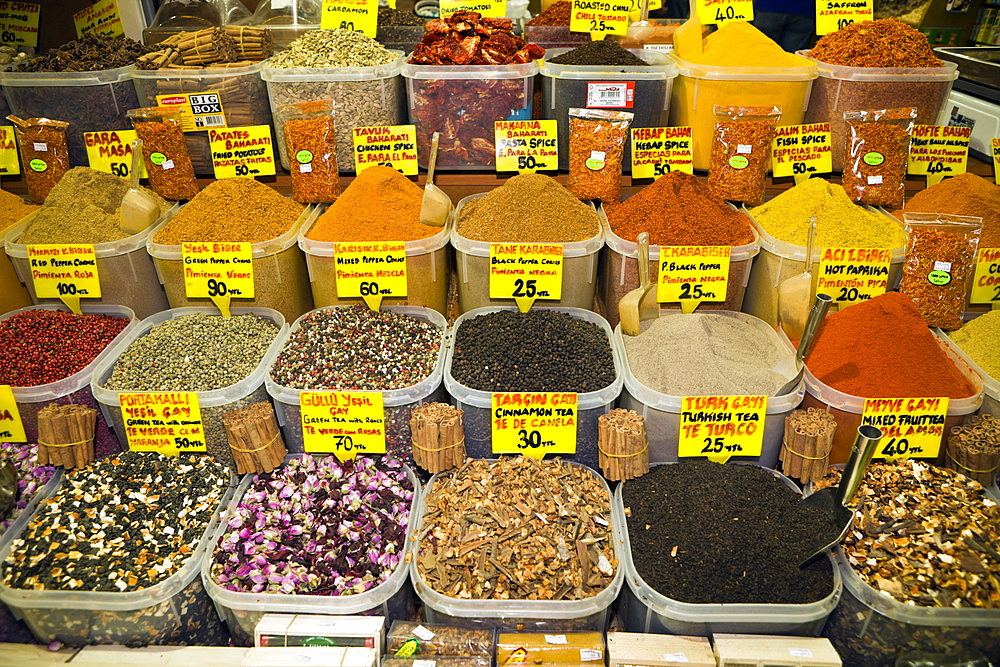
<point>12,209</point>
<point>739,44</point>
<point>380,204</point>
<point>980,339</point>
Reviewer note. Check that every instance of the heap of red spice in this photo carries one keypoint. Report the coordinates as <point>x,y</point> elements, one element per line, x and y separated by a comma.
<point>880,43</point>
<point>557,13</point>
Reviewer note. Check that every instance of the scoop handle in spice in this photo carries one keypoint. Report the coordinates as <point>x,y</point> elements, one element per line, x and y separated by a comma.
<point>819,310</point>
<point>8,488</point>
<point>436,205</point>
<point>861,455</point>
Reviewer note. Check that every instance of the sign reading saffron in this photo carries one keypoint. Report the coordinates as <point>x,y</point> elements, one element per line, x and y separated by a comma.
<point>600,17</point>
<point>243,151</point>
<point>912,428</point>
<point>534,423</point>
<point>343,423</point>
<point>168,422</point>
<point>719,427</point>
<point>849,275</point>
<point>832,15</point>
<point>720,11</point>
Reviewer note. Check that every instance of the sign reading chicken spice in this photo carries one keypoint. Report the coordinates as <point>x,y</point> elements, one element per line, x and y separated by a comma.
<point>11,428</point>
<point>372,271</point>
<point>357,15</point>
<point>600,18</point>
<point>63,271</point>
<point>661,150</point>
<point>718,427</point>
<point>111,152</point>
<point>801,151</point>
<point>167,422</point>
<point>832,15</point>
<point>9,164</point>
<point>534,424</point>
<point>719,11</point>
<point>245,151</point>
<point>525,272</point>
<point>343,423</point>
<point>19,23</point>
<point>391,146</point>
<point>853,274</point>
<point>937,151</point>
<point>692,274</point>
<point>526,145</point>
<point>219,271</point>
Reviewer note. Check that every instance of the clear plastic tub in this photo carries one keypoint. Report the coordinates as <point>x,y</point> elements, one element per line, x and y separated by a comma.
<point>88,101</point>
<point>241,91</point>
<point>281,280</point>
<point>398,403</point>
<point>840,88</point>
<point>589,614</point>
<point>698,88</point>
<point>393,598</point>
<point>124,268</point>
<point>175,611</point>
<point>362,97</point>
<point>13,293</point>
<point>991,385</point>
<point>287,20</point>
<point>620,272</point>
<point>400,37</point>
<point>566,87</point>
<point>478,406</point>
<point>449,99</point>
<point>663,411</point>
<point>473,259</point>
<point>554,36</point>
<point>213,404</point>
<point>642,609</point>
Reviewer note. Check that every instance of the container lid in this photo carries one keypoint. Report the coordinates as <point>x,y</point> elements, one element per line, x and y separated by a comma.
<point>312,74</point>
<point>699,71</point>
<point>95,78</point>
<point>413,248</point>
<point>433,72</point>
<point>660,67</point>
<point>947,72</point>
<point>390,397</point>
<point>201,73</point>
<point>991,385</point>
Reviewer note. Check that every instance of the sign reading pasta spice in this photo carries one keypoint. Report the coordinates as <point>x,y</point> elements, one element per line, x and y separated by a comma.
<point>9,164</point>
<point>986,283</point>
<point>719,427</point>
<point>487,8</point>
<point>801,151</point>
<point>912,427</point>
<point>19,23</point>
<point>111,152</point>
<point>343,423</point>
<point>849,275</point>
<point>937,151</point>
<point>198,111</point>
<point>534,423</point>
<point>995,145</point>
<point>600,17</point>
<point>357,15</point>
<point>245,152</point>
<point>525,272</point>
<point>660,150</point>
<point>832,15</point>
<point>168,422</point>
<point>11,427</point>
<point>66,272</point>
<point>692,274</point>
<point>388,145</point>
<point>526,145</point>
<point>371,271</point>
<point>720,11</point>
<point>101,18</point>
<point>219,271</point>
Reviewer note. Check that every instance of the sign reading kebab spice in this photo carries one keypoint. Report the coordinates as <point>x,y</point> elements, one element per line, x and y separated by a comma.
<point>11,427</point>
<point>244,152</point>
<point>526,145</point>
<point>801,151</point>
<point>534,423</point>
<point>488,8</point>
<point>9,164</point>
<point>66,272</point>
<point>371,271</point>
<point>343,423</point>
<point>937,151</point>
<point>219,271</point>
<point>832,15</point>
<point>111,152</point>
<point>692,274</point>
<point>168,422</point>
<point>720,11</point>
<point>911,427</point>
<point>387,145</point>
<point>19,23</point>
<point>600,17</point>
<point>719,427</point>
<point>525,272</point>
<point>101,18</point>
<point>357,15</point>
<point>986,283</point>
<point>850,275</point>
<point>661,150</point>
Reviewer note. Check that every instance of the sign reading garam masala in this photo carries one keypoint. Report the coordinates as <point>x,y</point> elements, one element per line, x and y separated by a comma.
<point>719,11</point>
<point>911,427</point>
<point>357,15</point>
<point>11,427</point>
<point>525,272</point>
<point>718,427</point>
<point>488,8</point>
<point>9,164</point>
<point>66,272</point>
<point>534,423</point>
<point>937,151</point>
<point>219,271</point>
<point>19,23</point>
<point>801,151</point>
<point>111,152</point>
<point>343,423</point>
<point>387,145</point>
<point>850,275</point>
<point>661,150</point>
<point>198,111</point>
<point>526,145</point>
<point>371,271</point>
<point>245,151</point>
<point>600,17</point>
<point>986,283</point>
<point>101,18</point>
<point>692,274</point>
<point>168,422</point>
<point>832,15</point>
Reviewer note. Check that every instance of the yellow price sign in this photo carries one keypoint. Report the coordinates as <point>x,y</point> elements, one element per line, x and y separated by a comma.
<point>801,151</point>
<point>526,145</point>
<point>66,272</point>
<point>912,428</point>
<point>19,23</point>
<point>168,422</point>
<point>720,427</point>
<point>937,151</point>
<point>600,17</point>
<point>11,427</point>
<point>525,272</point>
<point>995,146</point>
<point>242,152</point>
<point>198,111</point>
<point>719,11</point>
<point>343,423</point>
<point>986,282</point>
<point>692,274</point>
<point>111,152</point>
<point>489,8</point>
<point>371,271</point>
<point>832,15</point>
<point>850,275</point>
<point>357,15</point>
<point>101,18</point>
<point>389,145</point>
<point>219,271</point>
<point>534,423</point>
<point>660,150</point>
<point>9,164</point>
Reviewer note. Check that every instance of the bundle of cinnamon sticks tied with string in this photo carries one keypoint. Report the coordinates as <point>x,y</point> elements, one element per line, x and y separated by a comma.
<point>807,443</point>
<point>254,438</point>
<point>231,46</point>
<point>974,448</point>
<point>623,447</point>
<point>438,437</point>
<point>66,435</point>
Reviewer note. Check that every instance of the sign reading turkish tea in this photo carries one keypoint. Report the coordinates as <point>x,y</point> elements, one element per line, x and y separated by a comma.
<point>371,271</point>
<point>245,152</point>
<point>912,428</point>
<point>11,427</point>
<point>489,8</point>
<point>660,150</point>
<point>986,281</point>
<point>198,111</point>
<point>9,164</point>
<point>526,145</point>
<point>719,427</point>
<point>111,152</point>
<point>937,151</point>
<point>343,423</point>
<point>101,18</point>
<point>66,272</point>
<point>832,15</point>
<point>525,272</point>
<point>168,422</point>
<point>357,15</point>
<point>219,271</point>
<point>801,151</point>
<point>720,11</point>
<point>692,274</point>
<point>850,275</point>
<point>19,23</point>
<point>534,423</point>
<point>600,17</point>
<point>387,145</point>
<point>995,145</point>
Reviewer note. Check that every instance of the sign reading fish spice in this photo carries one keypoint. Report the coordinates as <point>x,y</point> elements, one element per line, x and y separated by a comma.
<point>853,274</point>
<point>911,427</point>
<point>165,422</point>
<point>244,151</point>
<point>534,423</point>
<point>801,151</point>
<point>343,423</point>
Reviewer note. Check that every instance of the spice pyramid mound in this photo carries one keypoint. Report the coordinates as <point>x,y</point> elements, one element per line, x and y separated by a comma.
<point>739,44</point>
<point>600,53</point>
<point>980,339</point>
<point>333,48</point>
<point>880,43</point>
<point>965,194</point>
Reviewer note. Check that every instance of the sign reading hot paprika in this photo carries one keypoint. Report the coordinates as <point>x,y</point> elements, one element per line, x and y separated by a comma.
<point>849,275</point>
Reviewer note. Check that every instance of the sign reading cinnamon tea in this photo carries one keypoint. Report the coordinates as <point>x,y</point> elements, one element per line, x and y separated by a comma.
<point>19,23</point>
<point>986,282</point>
<point>660,150</point>
<point>343,423</point>
<point>111,152</point>
<point>534,423</point>
<point>11,427</point>
<point>850,275</point>
<point>526,145</point>
<point>912,428</point>
<point>720,427</point>
<point>832,15</point>
<point>937,151</point>
<point>719,11</point>
<point>525,272</point>
<point>600,17</point>
<point>168,422</point>
<point>64,271</point>
<point>692,274</point>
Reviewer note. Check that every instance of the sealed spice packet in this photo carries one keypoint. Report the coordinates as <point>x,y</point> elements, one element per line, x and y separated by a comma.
<point>741,152</point>
<point>877,145</point>
<point>311,145</point>
<point>171,174</point>
<point>419,640</point>
<point>940,252</point>
<point>596,144</point>
<point>44,153</point>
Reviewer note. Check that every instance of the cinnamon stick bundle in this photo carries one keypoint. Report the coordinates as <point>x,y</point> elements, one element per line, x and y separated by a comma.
<point>974,448</point>
<point>254,438</point>
<point>232,46</point>
<point>806,445</point>
<point>438,437</point>
<point>622,445</point>
<point>66,435</point>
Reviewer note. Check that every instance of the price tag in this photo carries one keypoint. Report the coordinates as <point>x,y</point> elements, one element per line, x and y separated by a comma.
<point>101,18</point>
<point>371,271</point>
<point>357,15</point>
<point>995,145</point>
<point>610,94</point>
<point>198,111</point>
<point>986,283</point>
<point>850,275</point>
<point>488,8</point>
<point>692,274</point>
<point>219,271</point>
<point>937,151</point>
<point>534,423</point>
<point>245,151</point>
<point>526,145</point>
<point>719,427</point>
<point>911,427</point>
<point>11,427</point>
<point>600,17</point>
<point>168,422</point>
<point>111,152</point>
<point>801,151</point>
<point>343,423</point>
<point>720,11</point>
<point>19,23</point>
<point>832,15</point>
<point>9,164</point>
<point>525,272</point>
<point>388,145</point>
<point>660,150</point>
<point>66,272</point>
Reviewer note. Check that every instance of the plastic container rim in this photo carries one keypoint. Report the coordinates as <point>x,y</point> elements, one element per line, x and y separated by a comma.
<point>414,248</point>
<point>946,72</point>
<point>659,66</point>
<point>762,74</point>
<point>318,74</point>
<point>18,79</point>
<point>475,72</point>
<point>991,386</point>
<point>201,73</point>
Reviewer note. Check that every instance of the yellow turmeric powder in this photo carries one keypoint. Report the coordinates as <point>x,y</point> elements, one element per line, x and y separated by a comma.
<point>739,44</point>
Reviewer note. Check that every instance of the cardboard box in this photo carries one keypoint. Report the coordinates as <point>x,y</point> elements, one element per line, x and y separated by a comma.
<point>774,651</point>
<point>628,649</point>
<point>320,630</point>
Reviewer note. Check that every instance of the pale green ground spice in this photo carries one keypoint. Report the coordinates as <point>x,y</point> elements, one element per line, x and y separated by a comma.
<point>980,339</point>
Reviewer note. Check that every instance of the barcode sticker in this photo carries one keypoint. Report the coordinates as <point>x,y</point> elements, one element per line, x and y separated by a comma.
<point>800,652</point>
<point>168,164</point>
<point>305,168</point>
<point>197,110</point>
<point>556,639</point>
<point>590,655</point>
<point>942,266</point>
<point>610,94</point>
<point>205,121</point>
<point>745,149</point>
<point>675,657</point>
<point>664,48</point>
<point>41,147</point>
<point>423,633</point>
<point>875,180</point>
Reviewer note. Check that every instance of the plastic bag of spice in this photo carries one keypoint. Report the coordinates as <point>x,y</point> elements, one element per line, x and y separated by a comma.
<point>311,145</point>
<point>168,163</point>
<point>877,145</point>
<point>44,153</point>
<point>596,144</point>
<point>741,152</point>
<point>940,251</point>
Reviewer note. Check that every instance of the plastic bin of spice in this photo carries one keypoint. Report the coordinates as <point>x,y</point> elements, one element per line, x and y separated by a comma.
<point>566,87</point>
<point>124,268</point>
<point>991,385</point>
<point>580,260</point>
<point>554,36</point>
<point>644,610</point>
<point>393,598</point>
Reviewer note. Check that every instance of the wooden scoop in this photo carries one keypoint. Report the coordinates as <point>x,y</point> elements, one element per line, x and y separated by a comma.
<point>139,209</point>
<point>639,304</point>
<point>436,205</point>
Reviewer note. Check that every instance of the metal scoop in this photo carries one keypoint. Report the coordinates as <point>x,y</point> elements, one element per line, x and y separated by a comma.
<point>820,307</point>
<point>639,304</point>
<point>833,502</point>
<point>139,209</point>
<point>8,488</point>
<point>436,205</point>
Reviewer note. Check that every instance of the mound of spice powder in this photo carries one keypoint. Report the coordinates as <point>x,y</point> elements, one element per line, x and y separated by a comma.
<point>600,52</point>
<point>879,43</point>
<point>882,348</point>
<point>317,527</point>
<point>965,194</point>
<point>740,44</point>
<point>980,339</point>
<point>558,13</point>
<point>679,209</point>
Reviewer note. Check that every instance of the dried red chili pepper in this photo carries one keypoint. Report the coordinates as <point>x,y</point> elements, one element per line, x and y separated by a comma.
<point>171,174</point>
<point>311,145</point>
<point>44,153</point>
<point>596,144</point>
<point>741,152</point>
<point>877,144</point>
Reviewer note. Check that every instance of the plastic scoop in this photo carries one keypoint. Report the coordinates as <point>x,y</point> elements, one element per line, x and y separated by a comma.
<point>794,294</point>
<point>639,304</point>
<point>436,205</point>
<point>642,29</point>
<point>139,209</point>
<point>687,38</point>
<point>8,487</point>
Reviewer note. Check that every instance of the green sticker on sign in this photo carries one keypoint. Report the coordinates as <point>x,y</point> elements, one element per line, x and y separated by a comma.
<point>739,162</point>
<point>38,165</point>
<point>939,278</point>
<point>874,159</point>
<point>157,158</point>
<point>304,157</point>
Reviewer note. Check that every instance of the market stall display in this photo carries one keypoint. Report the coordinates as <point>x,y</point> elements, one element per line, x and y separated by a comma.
<point>399,30</point>
<point>550,29</point>
<point>979,340</point>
